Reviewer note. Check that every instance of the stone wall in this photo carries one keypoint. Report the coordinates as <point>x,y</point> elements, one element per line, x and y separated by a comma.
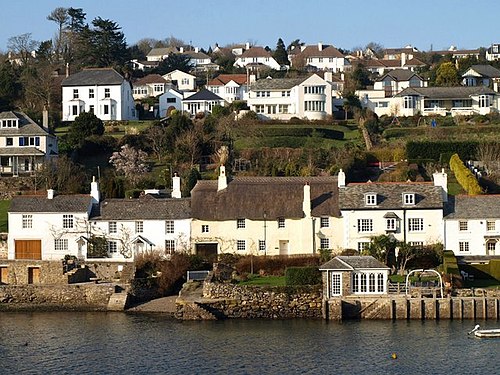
<point>55,297</point>
<point>50,272</point>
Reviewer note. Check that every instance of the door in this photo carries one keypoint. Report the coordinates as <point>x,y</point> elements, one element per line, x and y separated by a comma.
<point>28,249</point>
<point>207,251</point>
<point>4,275</point>
<point>34,275</point>
<point>284,247</point>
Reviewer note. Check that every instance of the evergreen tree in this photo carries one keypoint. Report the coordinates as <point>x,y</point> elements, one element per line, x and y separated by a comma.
<point>10,88</point>
<point>280,54</point>
<point>174,61</point>
<point>84,126</point>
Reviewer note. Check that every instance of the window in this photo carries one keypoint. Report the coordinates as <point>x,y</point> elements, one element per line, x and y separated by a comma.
<point>61,244</point>
<point>463,225</point>
<point>74,110</point>
<point>271,109</point>
<point>67,221</point>
<point>158,87</point>
<point>490,248</point>
<point>259,108</point>
<point>390,223</point>
<point>415,225</point>
<point>112,227</point>
<point>371,283</point>
<point>75,93</point>
<point>324,243</point>
<point>171,100</point>
<point>371,199</point>
<point>169,226</point>
<point>9,141</point>
<point>363,246</point>
<point>283,108</point>
<point>91,93</point>
<point>336,284</point>
<point>324,222</point>
<point>380,283</point>
<point>285,93</point>
<point>262,245</point>
<point>314,89</point>
<point>363,283</point>
<point>170,246</point>
<point>240,223</point>
<point>91,108</point>
<point>355,282</point>
<point>416,244</point>
<point>139,226</point>
<point>484,101</point>
<point>106,109</point>
<point>408,198</point>
<point>107,93</point>
<point>185,81</point>
<point>409,102</point>
<point>463,246</point>
<point>490,225</point>
<point>27,221</point>
<point>112,247</point>
<point>281,222</point>
<point>314,106</point>
<point>240,245</point>
<point>205,228</point>
<point>365,225</point>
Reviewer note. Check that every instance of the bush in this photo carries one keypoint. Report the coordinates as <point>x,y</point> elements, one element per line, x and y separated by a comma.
<point>433,149</point>
<point>302,276</point>
<point>464,176</point>
<point>272,265</point>
<point>302,132</point>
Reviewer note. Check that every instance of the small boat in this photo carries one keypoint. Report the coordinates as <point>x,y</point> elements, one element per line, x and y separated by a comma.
<point>485,332</point>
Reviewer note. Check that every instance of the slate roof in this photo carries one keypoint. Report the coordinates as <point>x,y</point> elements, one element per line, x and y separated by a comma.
<point>250,197</point>
<point>94,76</point>
<point>20,151</point>
<point>276,83</point>
<point>162,51</point>
<point>326,51</point>
<point>59,204</point>
<point>143,208</point>
<point>474,207</point>
<point>399,75</point>
<point>458,92</point>
<point>415,62</point>
<point>203,95</point>
<point>350,263</point>
<point>485,71</point>
<point>223,79</point>
<point>26,125</point>
<point>150,78</point>
<point>390,196</point>
<point>197,55</point>
<point>255,52</point>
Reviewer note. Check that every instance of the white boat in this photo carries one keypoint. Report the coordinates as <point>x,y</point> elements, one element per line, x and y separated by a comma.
<point>485,332</point>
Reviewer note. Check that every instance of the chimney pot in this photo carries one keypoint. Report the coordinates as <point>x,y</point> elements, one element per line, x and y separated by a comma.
<point>176,186</point>
<point>50,193</point>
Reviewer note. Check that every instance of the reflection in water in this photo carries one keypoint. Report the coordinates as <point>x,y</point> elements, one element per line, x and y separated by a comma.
<point>117,343</point>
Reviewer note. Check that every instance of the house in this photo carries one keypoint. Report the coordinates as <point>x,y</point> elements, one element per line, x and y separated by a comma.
<point>102,91</point>
<point>24,145</point>
<point>200,62</point>
<point>231,87</point>
<point>472,226</point>
<point>170,100</point>
<point>319,57</point>
<point>354,276</point>
<point>203,101</point>
<point>382,66</point>
<point>443,101</point>
<point>255,58</point>
<point>493,52</point>
<point>149,86</point>
<point>482,75</point>
<point>160,54</point>
<point>143,65</point>
<point>411,212</point>
<point>181,80</point>
<point>456,53</point>
<point>407,52</point>
<point>264,215</point>
<point>283,98</point>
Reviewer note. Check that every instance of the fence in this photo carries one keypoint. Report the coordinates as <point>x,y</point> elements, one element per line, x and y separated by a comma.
<point>197,275</point>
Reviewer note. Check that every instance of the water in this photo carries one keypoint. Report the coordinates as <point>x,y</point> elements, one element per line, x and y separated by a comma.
<point>118,343</point>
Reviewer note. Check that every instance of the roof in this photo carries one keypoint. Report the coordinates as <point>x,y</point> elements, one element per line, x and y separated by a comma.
<point>203,95</point>
<point>400,75</point>
<point>326,51</point>
<point>224,79</point>
<point>474,207</point>
<point>456,92</point>
<point>485,71</point>
<point>393,51</point>
<point>59,204</point>
<point>255,52</point>
<point>150,78</point>
<point>350,263</point>
<point>144,208</point>
<point>196,55</point>
<point>252,197</point>
<point>94,76</point>
<point>276,83</point>
<point>20,151</point>
<point>390,195</point>
<point>26,125</point>
<point>415,62</point>
<point>162,51</point>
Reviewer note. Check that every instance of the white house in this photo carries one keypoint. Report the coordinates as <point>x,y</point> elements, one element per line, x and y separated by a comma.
<point>284,98</point>
<point>482,75</point>
<point>230,87</point>
<point>143,65</point>
<point>24,145</point>
<point>472,227</point>
<point>319,57</point>
<point>200,62</point>
<point>181,80</point>
<point>102,91</point>
<point>256,56</point>
<point>160,54</point>
<point>264,215</point>
<point>203,101</point>
<point>170,100</point>
<point>493,52</point>
<point>411,212</point>
<point>151,85</point>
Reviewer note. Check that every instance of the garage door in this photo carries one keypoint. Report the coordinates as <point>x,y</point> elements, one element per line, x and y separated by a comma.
<point>28,249</point>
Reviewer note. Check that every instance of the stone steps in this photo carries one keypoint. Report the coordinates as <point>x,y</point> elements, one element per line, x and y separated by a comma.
<point>117,302</point>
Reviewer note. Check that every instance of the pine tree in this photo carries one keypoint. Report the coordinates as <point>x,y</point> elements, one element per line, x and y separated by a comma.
<point>280,54</point>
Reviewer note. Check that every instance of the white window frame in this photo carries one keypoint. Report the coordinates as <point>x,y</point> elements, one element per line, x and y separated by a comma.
<point>68,221</point>
<point>112,247</point>
<point>363,245</point>
<point>391,223</point>
<point>463,246</point>
<point>170,246</point>
<point>463,225</point>
<point>112,227</point>
<point>365,225</point>
<point>139,226</point>
<point>409,199</point>
<point>415,224</point>
<point>205,228</point>
<point>240,224</point>
<point>27,221</point>
<point>324,222</point>
<point>241,245</point>
<point>61,244</point>
<point>281,223</point>
<point>370,199</point>
<point>107,93</point>
<point>169,226</point>
<point>262,245</point>
<point>324,243</point>
<point>335,284</point>
<point>490,225</point>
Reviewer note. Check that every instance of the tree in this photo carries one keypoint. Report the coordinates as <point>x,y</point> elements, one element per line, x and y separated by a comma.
<point>280,54</point>
<point>74,39</point>
<point>191,179</point>
<point>377,48</point>
<point>85,125</point>
<point>157,137</point>
<point>60,17</point>
<point>63,175</point>
<point>174,61</point>
<point>131,162</point>
<point>22,46</point>
<point>382,248</point>
<point>10,88</point>
<point>351,101</point>
<point>447,75</point>
<point>360,78</point>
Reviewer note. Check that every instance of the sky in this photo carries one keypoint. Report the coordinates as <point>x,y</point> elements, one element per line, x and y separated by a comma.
<point>425,24</point>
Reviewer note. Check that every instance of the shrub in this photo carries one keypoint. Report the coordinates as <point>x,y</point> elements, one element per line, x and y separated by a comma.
<point>273,265</point>
<point>464,176</point>
<point>302,276</point>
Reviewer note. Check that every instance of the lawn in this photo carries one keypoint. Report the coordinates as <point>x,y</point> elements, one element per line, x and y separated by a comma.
<point>264,280</point>
<point>4,206</point>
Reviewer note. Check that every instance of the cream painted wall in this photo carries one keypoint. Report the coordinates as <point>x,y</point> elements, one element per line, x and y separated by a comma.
<point>475,235</point>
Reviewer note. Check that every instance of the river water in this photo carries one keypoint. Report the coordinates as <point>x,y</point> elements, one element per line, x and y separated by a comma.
<point>119,343</point>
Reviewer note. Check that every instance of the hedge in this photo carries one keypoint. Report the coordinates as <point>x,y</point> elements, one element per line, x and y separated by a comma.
<point>302,276</point>
<point>483,271</point>
<point>302,132</point>
<point>464,176</point>
<point>433,149</point>
<point>450,264</point>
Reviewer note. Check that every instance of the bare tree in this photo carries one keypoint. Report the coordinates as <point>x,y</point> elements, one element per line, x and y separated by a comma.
<point>22,46</point>
<point>61,17</point>
<point>157,137</point>
<point>131,162</point>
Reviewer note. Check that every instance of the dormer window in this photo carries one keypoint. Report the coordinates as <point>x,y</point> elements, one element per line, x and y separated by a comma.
<point>10,123</point>
<point>409,198</point>
<point>370,199</point>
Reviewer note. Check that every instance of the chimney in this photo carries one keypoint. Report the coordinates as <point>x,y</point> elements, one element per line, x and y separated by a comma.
<point>252,78</point>
<point>45,117</point>
<point>94,191</point>
<point>247,45</point>
<point>176,186</point>
<point>67,69</point>
<point>441,179</point>
<point>341,179</point>
<point>181,49</point>
<point>306,204</point>
<point>328,76</point>
<point>50,193</point>
<point>403,59</point>
<point>320,46</point>
<point>222,184</point>
<point>196,49</point>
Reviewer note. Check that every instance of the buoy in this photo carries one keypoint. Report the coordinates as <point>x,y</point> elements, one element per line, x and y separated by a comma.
<point>394,356</point>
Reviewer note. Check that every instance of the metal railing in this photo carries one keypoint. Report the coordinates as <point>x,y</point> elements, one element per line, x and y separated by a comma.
<point>197,275</point>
